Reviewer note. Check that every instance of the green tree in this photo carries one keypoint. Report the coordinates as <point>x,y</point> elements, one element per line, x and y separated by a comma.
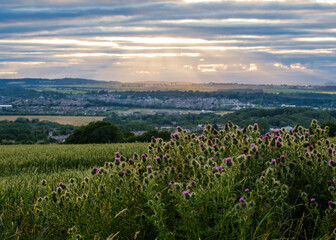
<point>98,132</point>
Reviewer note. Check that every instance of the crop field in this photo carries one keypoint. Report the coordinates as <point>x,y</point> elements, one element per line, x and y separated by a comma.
<point>66,120</point>
<point>291,90</point>
<point>226,184</point>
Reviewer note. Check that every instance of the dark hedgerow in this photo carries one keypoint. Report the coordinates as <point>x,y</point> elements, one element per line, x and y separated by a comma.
<point>225,184</point>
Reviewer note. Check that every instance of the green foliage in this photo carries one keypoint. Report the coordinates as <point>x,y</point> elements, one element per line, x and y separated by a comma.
<point>332,128</point>
<point>23,169</point>
<point>97,132</point>
<point>22,130</point>
<point>226,184</point>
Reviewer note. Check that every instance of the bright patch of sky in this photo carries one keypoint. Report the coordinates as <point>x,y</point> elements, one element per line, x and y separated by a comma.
<point>239,41</point>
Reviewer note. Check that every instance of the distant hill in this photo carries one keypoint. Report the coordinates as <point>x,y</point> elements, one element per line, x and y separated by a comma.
<point>45,81</point>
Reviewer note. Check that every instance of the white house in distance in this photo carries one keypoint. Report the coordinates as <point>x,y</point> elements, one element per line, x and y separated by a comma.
<point>3,107</point>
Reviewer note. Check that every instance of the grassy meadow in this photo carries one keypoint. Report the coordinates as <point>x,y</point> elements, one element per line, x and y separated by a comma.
<point>226,184</point>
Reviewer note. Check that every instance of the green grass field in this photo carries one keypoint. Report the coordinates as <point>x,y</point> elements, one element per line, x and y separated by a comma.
<point>22,168</point>
<point>227,184</point>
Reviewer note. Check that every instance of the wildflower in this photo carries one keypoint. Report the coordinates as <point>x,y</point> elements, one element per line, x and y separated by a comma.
<point>185,192</point>
<point>312,200</point>
<point>217,168</point>
<point>164,156</point>
<point>273,161</point>
<point>44,182</point>
<point>331,162</point>
<point>192,183</point>
<point>94,171</point>
<point>282,156</point>
<point>171,183</point>
<point>330,202</point>
<point>121,174</point>
<point>149,167</point>
<point>117,159</point>
<point>157,158</point>
<point>214,146</point>
<point>329,181</point>
<point>246,190</point>
<point>228,159</point>
<point>60,184</point>
<point>143,155</point>
<point>241,200</point>
<point>252,145</point>
<point>117,153</point>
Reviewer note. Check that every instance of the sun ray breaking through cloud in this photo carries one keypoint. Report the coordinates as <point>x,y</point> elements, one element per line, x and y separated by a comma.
<point>244,41</point>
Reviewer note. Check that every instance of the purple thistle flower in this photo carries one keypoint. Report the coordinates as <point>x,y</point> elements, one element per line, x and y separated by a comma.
<point>143,155</point>
<point>60,184</point>
<point>246,190</point>
<point>201,145</point>
<point>149,167</point>
<point>312,200</point>
<point>171,183</point>
<point>96,170</point>
<point>157,158</point>
<point>217,168</point>
<point>252,145</point>
<point>330,202</point>
<point>164,156</point>
<point>116,153</point>
<point>192,183</point>
<point>130,160</point>
<point>329,181</point>
<point>185,192</point>
<point>117,159</point>
<point>172,167</point>
<point>215,145</point>
<point>330,162</point>
<point>212,158</point>
<point>121,174</point>
<point>273,161</point>
<point>282,156</point>
<point>228,159</point>
<point>178,127</point>
<point>241,200</point>
<point>256,124</point>
<point>307,133</point>
<point>176,135</point>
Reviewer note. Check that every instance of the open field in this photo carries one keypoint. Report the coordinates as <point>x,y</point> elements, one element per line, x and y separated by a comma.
<point>71,120</point>
<point>294,90</point>
<point>187,188</point>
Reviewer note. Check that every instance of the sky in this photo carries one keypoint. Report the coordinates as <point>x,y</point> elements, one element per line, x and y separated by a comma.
<point>227,41</point>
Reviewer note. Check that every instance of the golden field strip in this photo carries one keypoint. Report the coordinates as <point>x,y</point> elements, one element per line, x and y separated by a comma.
<point>71,120</point>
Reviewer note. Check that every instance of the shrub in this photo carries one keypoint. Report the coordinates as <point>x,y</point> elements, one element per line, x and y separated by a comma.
<point>228,184</point>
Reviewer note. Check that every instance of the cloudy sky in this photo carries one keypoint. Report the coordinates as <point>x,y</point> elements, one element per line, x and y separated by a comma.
<point>240,41</point>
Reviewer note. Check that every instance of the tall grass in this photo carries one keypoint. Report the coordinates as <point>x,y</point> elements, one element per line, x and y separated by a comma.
<point>227,184</point>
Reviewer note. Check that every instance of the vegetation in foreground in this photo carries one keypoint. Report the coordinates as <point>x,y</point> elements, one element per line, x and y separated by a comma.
<point>227,184</point>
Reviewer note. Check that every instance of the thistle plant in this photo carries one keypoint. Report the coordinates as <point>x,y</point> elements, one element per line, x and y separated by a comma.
<point>228,184</point>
